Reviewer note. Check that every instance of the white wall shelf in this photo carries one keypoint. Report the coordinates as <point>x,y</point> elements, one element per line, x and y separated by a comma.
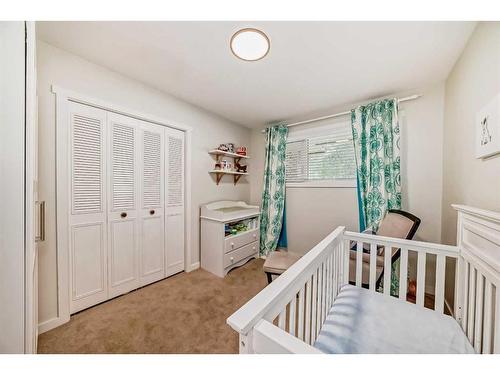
<point>219,173</point>
<point>219,154</point>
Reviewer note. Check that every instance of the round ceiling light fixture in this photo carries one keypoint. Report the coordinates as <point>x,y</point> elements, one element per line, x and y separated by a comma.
<point>250,44</point>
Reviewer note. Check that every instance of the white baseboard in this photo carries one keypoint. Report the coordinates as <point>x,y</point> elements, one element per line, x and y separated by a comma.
<point>193,266</point>
<point>51,324</point>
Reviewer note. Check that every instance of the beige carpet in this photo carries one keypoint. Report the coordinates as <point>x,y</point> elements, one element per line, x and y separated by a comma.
<point>185,313</point>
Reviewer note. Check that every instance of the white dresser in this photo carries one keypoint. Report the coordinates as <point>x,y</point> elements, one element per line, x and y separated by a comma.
<point>221,252</point>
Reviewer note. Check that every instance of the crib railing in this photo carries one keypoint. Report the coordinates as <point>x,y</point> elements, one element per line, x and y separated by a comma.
<point>479,277</point>
<point>287,315</point>
<point>389,248</point>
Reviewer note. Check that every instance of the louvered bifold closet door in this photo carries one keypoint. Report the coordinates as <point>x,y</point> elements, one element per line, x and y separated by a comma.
<point>151,211</point>
<point>174,199</point>
<point>87,216</point>
<point>123,197</point>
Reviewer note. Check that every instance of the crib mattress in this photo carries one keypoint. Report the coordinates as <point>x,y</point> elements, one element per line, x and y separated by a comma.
<point>361,321</point>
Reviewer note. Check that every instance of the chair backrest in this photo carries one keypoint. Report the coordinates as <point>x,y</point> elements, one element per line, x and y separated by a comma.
<point>398,224</point>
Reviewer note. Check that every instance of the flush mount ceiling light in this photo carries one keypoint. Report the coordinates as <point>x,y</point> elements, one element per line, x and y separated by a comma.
<point>250,44</point>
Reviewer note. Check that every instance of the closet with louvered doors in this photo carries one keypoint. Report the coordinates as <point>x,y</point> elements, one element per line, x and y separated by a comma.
<point>127,204</point>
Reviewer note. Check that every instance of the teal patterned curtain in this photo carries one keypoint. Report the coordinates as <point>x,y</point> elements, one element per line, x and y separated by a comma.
<point>375,131</point>
<point>273,194</point>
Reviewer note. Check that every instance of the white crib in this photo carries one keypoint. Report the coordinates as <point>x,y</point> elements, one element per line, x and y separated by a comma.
<point>288,315</point>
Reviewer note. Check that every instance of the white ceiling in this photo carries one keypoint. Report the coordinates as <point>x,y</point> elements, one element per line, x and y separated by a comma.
<point>311,67</point>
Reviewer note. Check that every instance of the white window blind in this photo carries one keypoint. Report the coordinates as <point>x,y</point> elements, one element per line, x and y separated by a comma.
<point>321,155</point>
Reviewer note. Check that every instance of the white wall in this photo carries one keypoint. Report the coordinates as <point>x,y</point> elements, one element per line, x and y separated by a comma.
<point>12,146</point>
<point>474,80</point>
<point>314,212</point>
<point>71,72</point>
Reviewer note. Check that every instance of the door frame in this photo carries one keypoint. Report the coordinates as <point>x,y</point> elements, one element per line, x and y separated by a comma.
<point>31,175</point>
<point>63,97</point>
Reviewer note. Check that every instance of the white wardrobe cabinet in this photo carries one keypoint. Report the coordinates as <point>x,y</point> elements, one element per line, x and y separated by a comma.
<point>126,219</point>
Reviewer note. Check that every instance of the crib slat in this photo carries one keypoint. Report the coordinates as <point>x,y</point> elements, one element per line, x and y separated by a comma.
<point>472,300</point>
<point>337,272</point>
<point>496,334</point>
<point>329,281</point>
<point>300,315</point>
<point>387,270</point>
<point>320,298</point>
<point>373,265</point>
<point>291,316</point>
<point>465,297</point>
<point>403,273</point>
<point>479,312</point>
<point>314,303</point>
<point>440,279</point>
<point>346,252</point>
<point>321,311</point>
<point>307,330</point>
<point>333,277</point>
<point>359,263</point>
<point>488,293</point>
<point>281,319</point>
<point>421,278</point>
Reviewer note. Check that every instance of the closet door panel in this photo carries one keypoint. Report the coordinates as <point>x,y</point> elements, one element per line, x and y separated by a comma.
<point>152,250</point>
<point>122,198</point>
<point>151,213</point>
<point>174,196</point>
<point>88,260</point>
<point>87,216</point>
<point>123,267</point>
<point>175,243</point>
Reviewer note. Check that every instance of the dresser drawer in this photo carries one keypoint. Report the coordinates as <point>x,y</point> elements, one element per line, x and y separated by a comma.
<point>234,242</point>
<point>241,253</point>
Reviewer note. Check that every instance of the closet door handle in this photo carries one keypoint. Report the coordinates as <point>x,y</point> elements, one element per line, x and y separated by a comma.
<point>151,212</point>
<point>41,222</point>
<point>123,214</point>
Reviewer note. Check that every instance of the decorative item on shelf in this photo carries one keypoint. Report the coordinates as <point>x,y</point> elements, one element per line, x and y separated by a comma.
<point>227,166</point>
<point>242,150</point>
<point>217,166</point>
<point>223,147</point>
<point>240,168</point>
<point>226,147</point>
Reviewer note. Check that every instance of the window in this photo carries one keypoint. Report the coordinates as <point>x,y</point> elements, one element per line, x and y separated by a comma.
<point>321,157</point>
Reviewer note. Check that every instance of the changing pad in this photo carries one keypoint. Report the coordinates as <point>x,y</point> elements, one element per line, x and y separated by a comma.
<point>361,321</point>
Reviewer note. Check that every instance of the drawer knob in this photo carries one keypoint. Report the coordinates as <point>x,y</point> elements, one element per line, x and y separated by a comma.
<point>231,259</point>
<point>123,214</point>
<point>152,212</point>
<point>232,244</point>
<point>254,235</point>
<point>253,248</point>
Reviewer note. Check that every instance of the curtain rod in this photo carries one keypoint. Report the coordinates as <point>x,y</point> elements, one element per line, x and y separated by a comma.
<point>405,99</point>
